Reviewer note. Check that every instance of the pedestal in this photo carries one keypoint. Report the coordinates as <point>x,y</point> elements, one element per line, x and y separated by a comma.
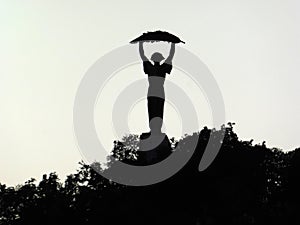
<point>153,148</point>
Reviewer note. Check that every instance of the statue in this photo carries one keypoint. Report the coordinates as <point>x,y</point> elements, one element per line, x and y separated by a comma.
<point>156,71</point>
<point>156,76</point>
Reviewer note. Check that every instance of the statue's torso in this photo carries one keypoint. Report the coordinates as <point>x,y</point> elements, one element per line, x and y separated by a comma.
<point>156,77</point>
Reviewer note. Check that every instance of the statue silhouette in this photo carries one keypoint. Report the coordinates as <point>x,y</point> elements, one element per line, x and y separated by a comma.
<point>155,145</point>
<point>156,76</point>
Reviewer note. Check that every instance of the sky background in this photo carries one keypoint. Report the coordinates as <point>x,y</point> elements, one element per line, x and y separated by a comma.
<point>252,48</point>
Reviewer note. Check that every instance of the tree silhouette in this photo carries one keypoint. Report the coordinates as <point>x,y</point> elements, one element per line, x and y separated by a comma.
<point>246,184</point>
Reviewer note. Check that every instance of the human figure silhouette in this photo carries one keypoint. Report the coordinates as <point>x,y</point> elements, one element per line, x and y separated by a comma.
<point>156,76</point>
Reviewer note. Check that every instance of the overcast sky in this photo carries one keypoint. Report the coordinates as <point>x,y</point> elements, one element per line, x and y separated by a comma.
<point>252,48</point>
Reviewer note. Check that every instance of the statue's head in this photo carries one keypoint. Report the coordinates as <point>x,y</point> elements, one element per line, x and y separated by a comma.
<point>157,57</point>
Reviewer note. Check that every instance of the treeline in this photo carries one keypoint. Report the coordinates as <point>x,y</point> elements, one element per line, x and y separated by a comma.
<point>246,184</point>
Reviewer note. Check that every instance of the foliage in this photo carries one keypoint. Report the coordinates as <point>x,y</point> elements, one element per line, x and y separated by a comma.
<point>246,184</point>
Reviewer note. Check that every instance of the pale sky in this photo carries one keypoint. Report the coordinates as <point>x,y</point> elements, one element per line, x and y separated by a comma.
<point>252,48</point>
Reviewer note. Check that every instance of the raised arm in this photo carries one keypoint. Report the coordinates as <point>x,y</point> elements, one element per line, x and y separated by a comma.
<point>141,50</point>
<point>171,54</point>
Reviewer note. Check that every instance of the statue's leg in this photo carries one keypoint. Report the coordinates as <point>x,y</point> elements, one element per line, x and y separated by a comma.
<point>155,113</point>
